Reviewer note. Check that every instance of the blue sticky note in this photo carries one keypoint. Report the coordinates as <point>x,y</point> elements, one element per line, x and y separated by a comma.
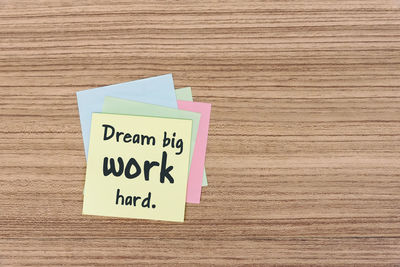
<point>157,90</point>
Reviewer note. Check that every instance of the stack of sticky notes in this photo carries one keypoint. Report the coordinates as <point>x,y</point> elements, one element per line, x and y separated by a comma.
<point>145,145</point>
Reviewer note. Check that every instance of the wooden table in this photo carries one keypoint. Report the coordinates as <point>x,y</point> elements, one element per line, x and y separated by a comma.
<point>303,158</point>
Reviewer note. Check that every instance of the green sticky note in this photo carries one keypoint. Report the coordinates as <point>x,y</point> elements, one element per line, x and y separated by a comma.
<point>186,95</point>
<point>127,107</point>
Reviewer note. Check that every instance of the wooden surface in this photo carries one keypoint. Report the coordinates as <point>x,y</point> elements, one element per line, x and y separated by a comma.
<point>304,146</point>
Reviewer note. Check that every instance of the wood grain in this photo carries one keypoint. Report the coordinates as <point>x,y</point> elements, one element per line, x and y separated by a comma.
<point>304,146</point>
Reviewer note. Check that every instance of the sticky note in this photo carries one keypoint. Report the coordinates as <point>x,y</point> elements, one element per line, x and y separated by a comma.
<point>197,167</point>
<point>122,106</point>
<point>137,167</point>
<point>156,90</point>
<point>186,94</point>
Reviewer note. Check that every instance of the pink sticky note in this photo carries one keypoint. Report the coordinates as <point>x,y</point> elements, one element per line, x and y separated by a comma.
<point>199,153</point>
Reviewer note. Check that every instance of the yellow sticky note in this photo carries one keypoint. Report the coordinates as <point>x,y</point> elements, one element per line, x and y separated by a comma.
<point>137,167</point>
